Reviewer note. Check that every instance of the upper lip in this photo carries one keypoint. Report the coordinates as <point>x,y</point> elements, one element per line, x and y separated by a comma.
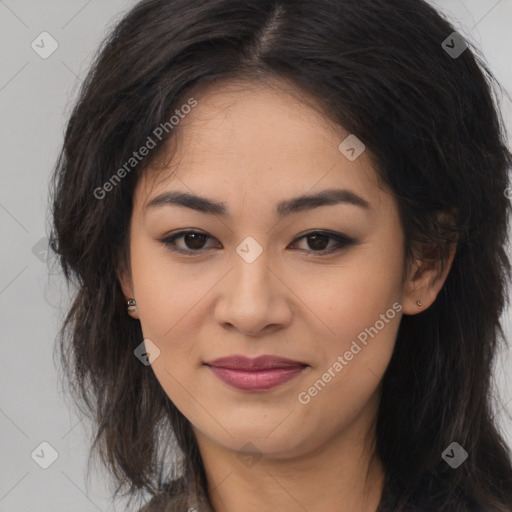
<point>264,362</point>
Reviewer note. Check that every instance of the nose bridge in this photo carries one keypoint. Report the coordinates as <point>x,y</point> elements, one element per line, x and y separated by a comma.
<point>251,274</point>
<point>253,300</point>
<point>250,301</point>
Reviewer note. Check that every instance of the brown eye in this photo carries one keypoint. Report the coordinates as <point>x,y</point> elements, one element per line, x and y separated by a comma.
<point>318,242</point>
<point>193,242</point>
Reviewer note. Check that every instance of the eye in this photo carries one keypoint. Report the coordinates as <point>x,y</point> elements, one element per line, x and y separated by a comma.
<point>318,241</point>
<point>193,240</point>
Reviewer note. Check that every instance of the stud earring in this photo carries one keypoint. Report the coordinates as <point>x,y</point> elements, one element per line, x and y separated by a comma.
<point>131,306</point>
<point>419,303</point>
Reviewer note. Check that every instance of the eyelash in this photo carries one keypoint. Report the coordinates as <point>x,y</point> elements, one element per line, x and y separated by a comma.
<point>343,241</point>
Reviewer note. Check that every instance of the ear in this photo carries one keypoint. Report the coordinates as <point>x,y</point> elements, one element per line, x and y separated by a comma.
<point>428,272</point>
<point>124,277</point>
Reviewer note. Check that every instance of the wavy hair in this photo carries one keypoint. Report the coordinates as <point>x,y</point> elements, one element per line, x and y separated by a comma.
<point>431,123</point>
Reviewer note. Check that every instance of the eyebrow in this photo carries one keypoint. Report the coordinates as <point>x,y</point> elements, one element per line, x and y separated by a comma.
<point>304,202</point>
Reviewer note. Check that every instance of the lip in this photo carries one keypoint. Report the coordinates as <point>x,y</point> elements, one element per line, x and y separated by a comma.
<point>255,374</point>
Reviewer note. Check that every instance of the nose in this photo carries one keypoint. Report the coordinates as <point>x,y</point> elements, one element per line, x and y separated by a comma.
<point>254,299</point>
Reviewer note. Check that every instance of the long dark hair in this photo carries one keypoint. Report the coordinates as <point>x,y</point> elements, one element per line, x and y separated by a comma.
<point>431,122</point>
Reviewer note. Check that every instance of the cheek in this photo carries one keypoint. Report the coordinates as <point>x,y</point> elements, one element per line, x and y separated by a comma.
<point>345,299</point>
<point>167,294</point>
<point>360,305</point>
<point>170,309</point>
<point>352,369</point>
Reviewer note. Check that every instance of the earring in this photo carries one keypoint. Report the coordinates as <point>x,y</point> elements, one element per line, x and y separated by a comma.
<point>419,303</point>
<point>132,307</point>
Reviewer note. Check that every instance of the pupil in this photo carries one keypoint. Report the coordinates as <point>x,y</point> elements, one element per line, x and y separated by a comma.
<point>187,238</point>
<point>316,238</point>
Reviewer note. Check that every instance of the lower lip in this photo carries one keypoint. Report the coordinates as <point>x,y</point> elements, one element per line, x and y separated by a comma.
<point>259,380</point>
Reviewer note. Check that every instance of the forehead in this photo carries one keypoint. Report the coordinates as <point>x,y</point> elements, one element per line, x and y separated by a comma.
<point>248,110</point>
<point>260,137</point>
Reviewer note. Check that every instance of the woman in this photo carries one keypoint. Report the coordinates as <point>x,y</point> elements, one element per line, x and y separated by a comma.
<point>286,221</point>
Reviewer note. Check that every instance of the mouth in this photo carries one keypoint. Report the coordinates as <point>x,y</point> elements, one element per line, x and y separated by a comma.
<point>255,374</point>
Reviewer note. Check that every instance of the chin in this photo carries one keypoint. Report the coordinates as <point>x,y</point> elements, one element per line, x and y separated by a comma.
<point>259,441</point>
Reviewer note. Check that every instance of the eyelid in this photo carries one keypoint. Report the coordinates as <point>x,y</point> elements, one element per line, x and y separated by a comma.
<point>343,241</point>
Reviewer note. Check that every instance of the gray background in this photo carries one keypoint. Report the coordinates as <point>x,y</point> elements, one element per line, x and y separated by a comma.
<point>36,95</point>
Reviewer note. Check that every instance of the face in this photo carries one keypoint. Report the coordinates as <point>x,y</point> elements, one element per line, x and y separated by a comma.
<point>318,282</point>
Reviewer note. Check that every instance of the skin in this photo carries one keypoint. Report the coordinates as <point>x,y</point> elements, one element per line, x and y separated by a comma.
<point>251,147</point>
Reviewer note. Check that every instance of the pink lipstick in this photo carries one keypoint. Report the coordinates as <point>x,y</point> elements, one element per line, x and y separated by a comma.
<point>255,374</point>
